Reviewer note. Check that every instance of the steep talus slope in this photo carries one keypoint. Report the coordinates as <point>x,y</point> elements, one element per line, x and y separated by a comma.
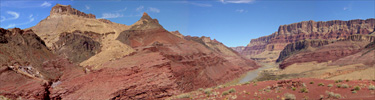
<point>293,48</point>
<point>28,66</point>
<point>65,19</point>
<point>163,64</point>
<point>330,30</point>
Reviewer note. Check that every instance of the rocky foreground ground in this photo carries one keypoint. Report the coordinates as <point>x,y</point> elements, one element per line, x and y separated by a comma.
<point>293,89</point>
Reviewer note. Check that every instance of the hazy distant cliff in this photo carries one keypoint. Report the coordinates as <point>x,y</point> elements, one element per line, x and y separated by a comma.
<point>329,30</point>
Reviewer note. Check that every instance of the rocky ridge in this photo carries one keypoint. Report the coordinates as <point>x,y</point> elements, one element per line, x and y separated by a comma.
<point>329,30</point>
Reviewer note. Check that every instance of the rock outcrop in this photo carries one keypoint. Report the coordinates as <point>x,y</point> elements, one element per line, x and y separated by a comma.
<point>28,67</point>
<point>329,30</point>
<point>78,46</point>
<point>59,9</point>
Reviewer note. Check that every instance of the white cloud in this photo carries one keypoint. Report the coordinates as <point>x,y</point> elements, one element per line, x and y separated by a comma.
<point>122,10</point>
<point>197,4</point>
<point>112,15</point>
<point>348,8</point>
<point>236,1</point>
<point>155,10</point>
<point>240,10</point>
<point>140,8</point>
<point>31,19</point>
<point>45,4</point>
<point>15,15</point>
<point>87,7</point>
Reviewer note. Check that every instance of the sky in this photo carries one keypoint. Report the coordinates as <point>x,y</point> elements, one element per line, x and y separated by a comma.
<point>232,22</point>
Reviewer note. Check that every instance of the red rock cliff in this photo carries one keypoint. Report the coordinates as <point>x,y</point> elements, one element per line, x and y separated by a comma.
<point>329,30</point>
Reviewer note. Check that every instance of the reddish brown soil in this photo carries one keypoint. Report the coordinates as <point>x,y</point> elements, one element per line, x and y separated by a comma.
<point>276,89</point>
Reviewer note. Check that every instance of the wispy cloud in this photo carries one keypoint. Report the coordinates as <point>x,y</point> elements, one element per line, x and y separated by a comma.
<point>236,1</point>
<point>140,8</point>
<point>87,7</point>
<point>197,4</point>
<point>122,10</point>
<point>155,10</point>
<point>45,4</point>
<point>241,11</point>
<point>112,15</point>
<point>347,8</point>
<point>15,15</point>
<point>31,19</point>
<point>10,26</point>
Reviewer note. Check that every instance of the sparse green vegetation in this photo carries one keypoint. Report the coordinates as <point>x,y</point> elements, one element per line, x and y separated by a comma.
<point>371,87</point>
<point>294,88</point>
<point>246,83</point>
<point>320,84</point>
<point>289,96</point>
<point>208,91</point>
<point>255,84</point>
<point>225,93</point>
<point>338,86</point>
<point>354,91</point>
<point>344,85</point>
<point>186,95</point>
<point>347,80</point>
<point>304,90</point>
<point>334,95</point>
<point>311,82</point>
<point>338,81</point>
<point>232,90</point>
<point>200,89</point>
<point>337,96</point>
<point>4,98</point>
<point>357,88</point>
<point>330,85</point>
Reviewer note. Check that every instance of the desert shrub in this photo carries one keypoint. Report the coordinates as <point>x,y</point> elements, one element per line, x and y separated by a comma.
<point>208,91</point>
<point>311,82</point>
<point>225,93</point>
<point>294,88</point>
<point>304,90</point>
<point>338,86</point>
<point>357,88</point>
<point>347,80</point>
<point>246,83</point>
<point>289,96</point>
<point>371,87</point>
<point>330,85</point>
<point>337,96</point>
<point>354,91</point>
<point>232,90</point>
<point>255,84</point>
<point>320,84</point>
<point>344,85</point>
<point>184,95</point>
<point>334,95</point>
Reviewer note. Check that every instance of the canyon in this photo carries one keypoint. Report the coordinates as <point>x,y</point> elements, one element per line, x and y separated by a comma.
<point>73,55</point>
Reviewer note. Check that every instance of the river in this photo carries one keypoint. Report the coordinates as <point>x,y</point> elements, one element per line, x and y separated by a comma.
<point>251,75</point>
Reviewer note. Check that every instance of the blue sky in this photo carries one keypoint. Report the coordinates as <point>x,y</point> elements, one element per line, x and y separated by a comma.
<point>233,22</point>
